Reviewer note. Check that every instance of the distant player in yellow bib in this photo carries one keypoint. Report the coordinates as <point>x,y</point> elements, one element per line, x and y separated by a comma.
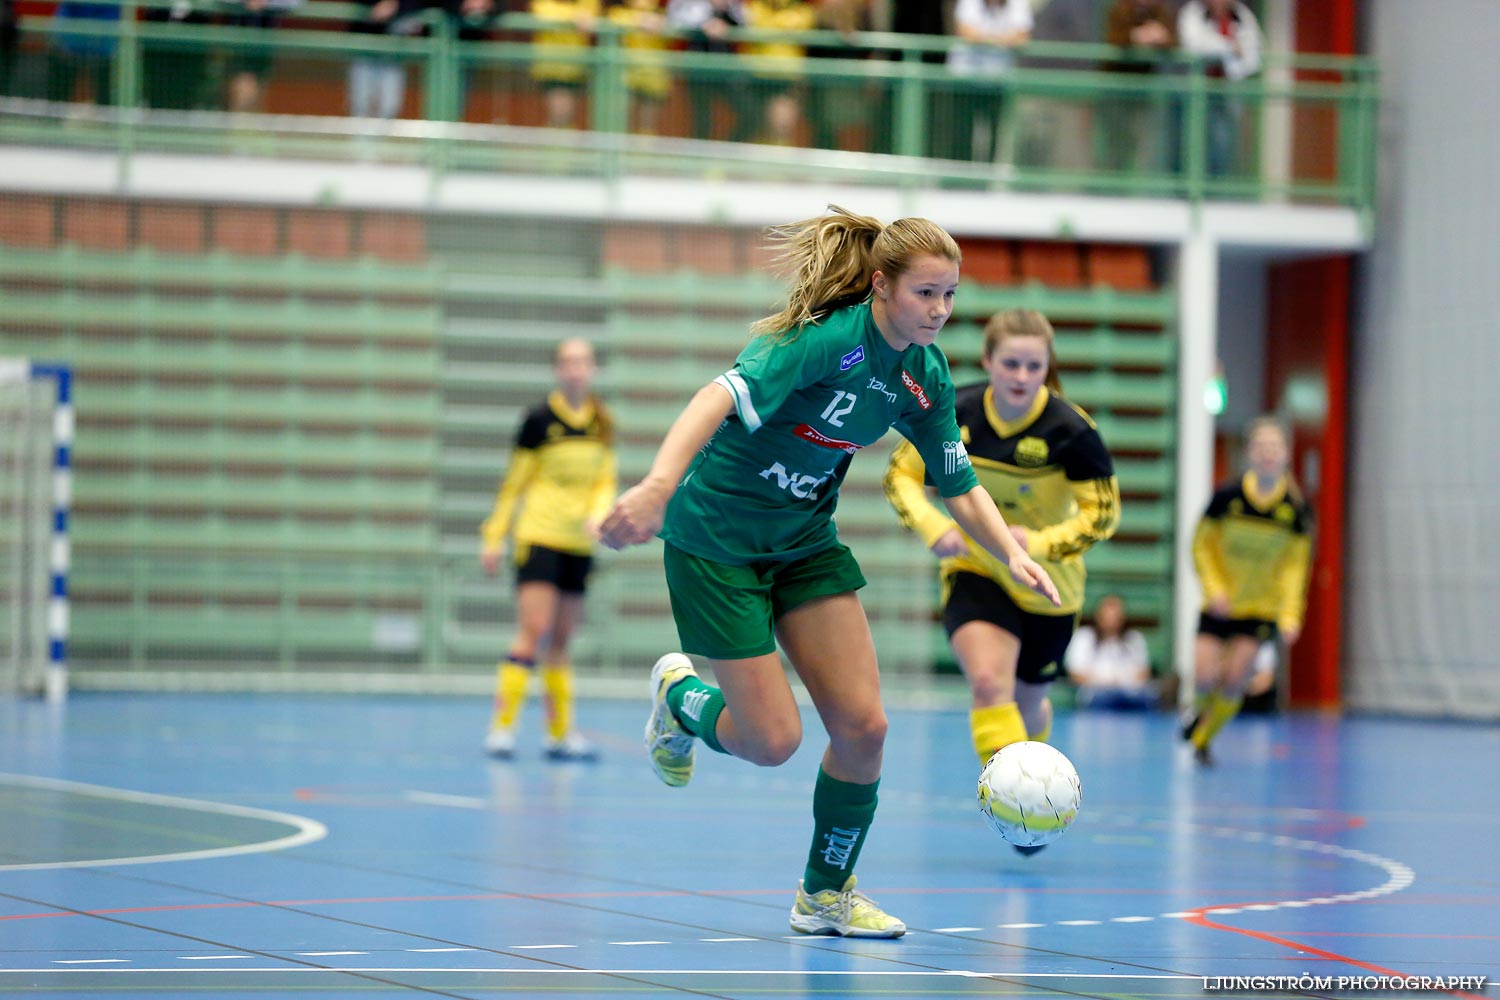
<point>560,485</point>
<point>1042,460</point>
<point>1252,550</point>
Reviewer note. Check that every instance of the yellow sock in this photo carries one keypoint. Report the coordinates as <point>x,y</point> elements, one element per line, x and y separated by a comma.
<point>510,694</point>
<point>557,682</point>
<point>995,727</point>
<point>1220,710</point>
<point>1044,735</point>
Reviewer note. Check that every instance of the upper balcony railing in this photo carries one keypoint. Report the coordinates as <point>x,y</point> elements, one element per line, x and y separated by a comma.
<point>874,106</point>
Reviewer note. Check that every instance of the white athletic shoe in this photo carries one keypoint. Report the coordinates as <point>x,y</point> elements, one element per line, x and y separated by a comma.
<point>669,746</point>
<point>845,912</point>
<point>571,747</point>
<point>500,743</point>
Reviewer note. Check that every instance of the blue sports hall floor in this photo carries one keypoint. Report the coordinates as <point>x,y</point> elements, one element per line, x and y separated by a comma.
<point>158,845</point>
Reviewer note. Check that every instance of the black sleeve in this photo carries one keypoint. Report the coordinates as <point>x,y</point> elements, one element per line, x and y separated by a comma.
<point>533,429</point>
<point>1218,505</point>
<point>1086,458</point>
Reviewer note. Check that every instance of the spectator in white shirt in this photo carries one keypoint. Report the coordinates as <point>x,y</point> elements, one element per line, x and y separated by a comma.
<point>1109,662</point>
<point>1224,33</point>
<point>989,31</point>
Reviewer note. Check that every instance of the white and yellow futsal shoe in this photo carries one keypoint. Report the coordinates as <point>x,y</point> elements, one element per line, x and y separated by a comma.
<point>845,912</point>
<point>669,745</point>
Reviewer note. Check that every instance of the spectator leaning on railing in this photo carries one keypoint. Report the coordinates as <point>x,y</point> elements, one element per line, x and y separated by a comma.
<point>73,55</point>
<point>1144,31</point>
<point>989,30</point>
<point>9,36</point>
<point>249,67</point>
<point>561,79</point>
<point>646,78</point>
<point>1225,34</point>
<point>709,23</point>
<point>377,83</point>
<point>832,104</point>
<point>778,87</point>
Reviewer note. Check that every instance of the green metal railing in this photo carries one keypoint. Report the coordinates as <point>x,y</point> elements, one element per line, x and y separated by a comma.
<point>1304,130</point>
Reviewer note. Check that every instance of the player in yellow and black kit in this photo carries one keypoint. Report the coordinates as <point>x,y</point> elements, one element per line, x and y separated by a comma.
<point>1252,550</point>
<point>560,485</point>
<point>1043,461</point>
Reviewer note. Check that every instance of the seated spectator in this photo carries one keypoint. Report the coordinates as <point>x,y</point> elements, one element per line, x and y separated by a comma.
<point>1109,662</point>
<point>646,77</point>
<point>1225,34</point>
<point>563,81</point>
<point>777,87</point>
<point>990,30</point>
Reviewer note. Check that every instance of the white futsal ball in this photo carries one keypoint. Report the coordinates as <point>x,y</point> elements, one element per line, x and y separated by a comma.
<point>1030,793</point>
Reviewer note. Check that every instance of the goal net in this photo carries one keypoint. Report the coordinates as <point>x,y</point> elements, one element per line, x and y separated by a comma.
<point>35,437</point>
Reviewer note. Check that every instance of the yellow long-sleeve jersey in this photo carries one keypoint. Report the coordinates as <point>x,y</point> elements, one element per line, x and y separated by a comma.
<point>787,15</point>
<point>1255,550</point>
<point>562,39</point>
<point>1048,472</point>
<point>562,475</point>
<point>645,63</point>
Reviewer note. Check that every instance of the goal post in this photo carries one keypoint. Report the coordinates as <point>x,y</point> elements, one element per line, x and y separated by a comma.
<point>36,439</point>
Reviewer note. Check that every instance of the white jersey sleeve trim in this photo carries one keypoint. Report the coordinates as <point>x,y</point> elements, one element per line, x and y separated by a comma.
<point>740,392</point>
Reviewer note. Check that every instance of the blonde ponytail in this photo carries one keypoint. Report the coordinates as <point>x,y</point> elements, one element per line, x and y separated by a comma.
<point>832,258</point>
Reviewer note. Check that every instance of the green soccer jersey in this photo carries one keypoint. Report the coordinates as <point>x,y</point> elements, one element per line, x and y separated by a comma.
<point>765,486</point>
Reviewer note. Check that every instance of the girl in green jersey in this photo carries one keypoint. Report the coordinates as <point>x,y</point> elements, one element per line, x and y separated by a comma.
<point>743,491</point>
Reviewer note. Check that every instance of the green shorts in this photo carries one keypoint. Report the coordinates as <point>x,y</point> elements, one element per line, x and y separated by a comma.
<point>728,612</point>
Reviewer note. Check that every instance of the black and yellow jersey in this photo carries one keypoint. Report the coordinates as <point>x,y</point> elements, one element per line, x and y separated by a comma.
<point>562,475</point>
<point>563,40</point>
<point>1255,549</point>
<point>1048,472</point>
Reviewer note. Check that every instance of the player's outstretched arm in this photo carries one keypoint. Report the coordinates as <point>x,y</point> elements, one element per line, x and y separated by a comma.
<point>976,513</point>
<point>638,514</point>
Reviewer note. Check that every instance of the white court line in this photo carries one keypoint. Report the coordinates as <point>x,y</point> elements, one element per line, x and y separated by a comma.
<point>633,943</point>
<point>327,954</point>
<point>214,958</point>
<point>539,947</point>
<point>438,799</point>
<point>434,951</point>
<point>89,961</point>
<point>955,930</point>
<point>308,830</point>
<point>718,940</point>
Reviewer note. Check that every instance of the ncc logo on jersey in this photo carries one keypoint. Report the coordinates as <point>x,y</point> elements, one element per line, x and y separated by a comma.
<point>851,359</point>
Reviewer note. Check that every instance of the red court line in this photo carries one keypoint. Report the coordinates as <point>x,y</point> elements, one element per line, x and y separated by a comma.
<point>1198,918</point>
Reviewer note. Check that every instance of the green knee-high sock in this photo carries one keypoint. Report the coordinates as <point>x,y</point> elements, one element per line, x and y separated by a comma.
<point>842,812</point>
<point>697,706</point>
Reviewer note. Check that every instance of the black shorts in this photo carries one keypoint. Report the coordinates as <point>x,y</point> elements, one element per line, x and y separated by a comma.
<point>1044,638</point>
<point>1227,628</point>
<point>566,571</point>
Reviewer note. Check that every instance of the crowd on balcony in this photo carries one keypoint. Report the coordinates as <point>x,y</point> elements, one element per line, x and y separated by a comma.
<point>776,100</point>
